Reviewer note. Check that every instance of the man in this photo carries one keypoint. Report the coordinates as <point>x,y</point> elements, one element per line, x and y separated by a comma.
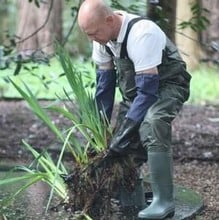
<point>154,85</point>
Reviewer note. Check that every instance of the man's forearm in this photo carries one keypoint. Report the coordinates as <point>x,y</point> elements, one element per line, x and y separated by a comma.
<point>147,88</point>
<point>105,90</point>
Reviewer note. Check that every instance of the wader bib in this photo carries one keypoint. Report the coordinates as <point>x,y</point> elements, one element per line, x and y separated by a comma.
<point>155,130</point>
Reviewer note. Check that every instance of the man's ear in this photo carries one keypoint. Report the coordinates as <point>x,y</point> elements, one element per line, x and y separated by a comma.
<point>109,20</point>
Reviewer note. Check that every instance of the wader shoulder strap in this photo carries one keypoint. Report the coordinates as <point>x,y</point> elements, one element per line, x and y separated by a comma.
<point>109,51</point>
<point>123,53</point>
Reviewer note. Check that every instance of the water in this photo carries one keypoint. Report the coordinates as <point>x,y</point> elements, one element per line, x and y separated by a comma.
<point>30,204</point>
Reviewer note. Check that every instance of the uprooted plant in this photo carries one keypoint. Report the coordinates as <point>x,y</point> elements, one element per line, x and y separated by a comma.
<point>93,188</point>
<point>94,178</point>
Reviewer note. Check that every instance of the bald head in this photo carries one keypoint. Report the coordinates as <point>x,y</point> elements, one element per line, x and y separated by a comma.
<point>93,12</point>
<point>98,21</point>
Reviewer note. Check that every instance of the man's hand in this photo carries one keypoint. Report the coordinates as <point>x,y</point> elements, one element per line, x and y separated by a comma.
<point>120,143</point>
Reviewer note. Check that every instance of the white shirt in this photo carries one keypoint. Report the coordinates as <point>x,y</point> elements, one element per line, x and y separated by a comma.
<point>145,44</point>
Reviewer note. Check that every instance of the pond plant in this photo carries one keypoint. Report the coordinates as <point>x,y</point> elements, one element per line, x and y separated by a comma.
<point>91,184</point>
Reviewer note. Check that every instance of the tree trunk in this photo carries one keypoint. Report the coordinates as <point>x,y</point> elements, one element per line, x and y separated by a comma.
<point>211,34</point>
<point>164,13</point>
<point>3,23</point>
<point>187,39</point>
<point>34,30</point>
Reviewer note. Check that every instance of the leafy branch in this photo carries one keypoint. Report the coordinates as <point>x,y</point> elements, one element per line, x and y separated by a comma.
<point>198,22</point>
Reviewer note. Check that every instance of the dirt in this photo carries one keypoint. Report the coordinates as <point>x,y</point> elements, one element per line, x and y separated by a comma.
<point>195,146</point>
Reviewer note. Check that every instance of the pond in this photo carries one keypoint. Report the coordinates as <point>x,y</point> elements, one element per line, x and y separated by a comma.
<point>29,204</point>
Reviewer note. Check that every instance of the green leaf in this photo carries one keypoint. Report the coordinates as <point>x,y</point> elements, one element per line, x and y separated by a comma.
<point>18,68</point>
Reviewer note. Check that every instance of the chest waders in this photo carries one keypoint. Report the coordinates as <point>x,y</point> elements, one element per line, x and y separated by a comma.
<point>155,130</point>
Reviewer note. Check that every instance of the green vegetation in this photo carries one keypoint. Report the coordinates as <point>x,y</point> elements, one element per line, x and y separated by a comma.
<point>205,85</point>
<point>87,122</point>
<point>43,79</point>
<point>47,81</point>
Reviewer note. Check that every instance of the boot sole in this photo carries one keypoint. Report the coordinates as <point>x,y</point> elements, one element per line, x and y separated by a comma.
<point>170,215</point>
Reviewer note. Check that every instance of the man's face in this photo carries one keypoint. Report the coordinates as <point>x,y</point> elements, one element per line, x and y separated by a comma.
<point>100,33</point>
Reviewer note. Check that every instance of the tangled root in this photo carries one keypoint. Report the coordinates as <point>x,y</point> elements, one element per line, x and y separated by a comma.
<point>92,188</point>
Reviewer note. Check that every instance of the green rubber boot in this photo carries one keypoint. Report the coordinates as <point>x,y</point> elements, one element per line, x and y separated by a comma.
<point>162,206</point>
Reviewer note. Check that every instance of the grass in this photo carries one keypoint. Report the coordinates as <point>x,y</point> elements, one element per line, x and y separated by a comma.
<point>39,75</point>
<point>46,82</point>
<point>205,85</point>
